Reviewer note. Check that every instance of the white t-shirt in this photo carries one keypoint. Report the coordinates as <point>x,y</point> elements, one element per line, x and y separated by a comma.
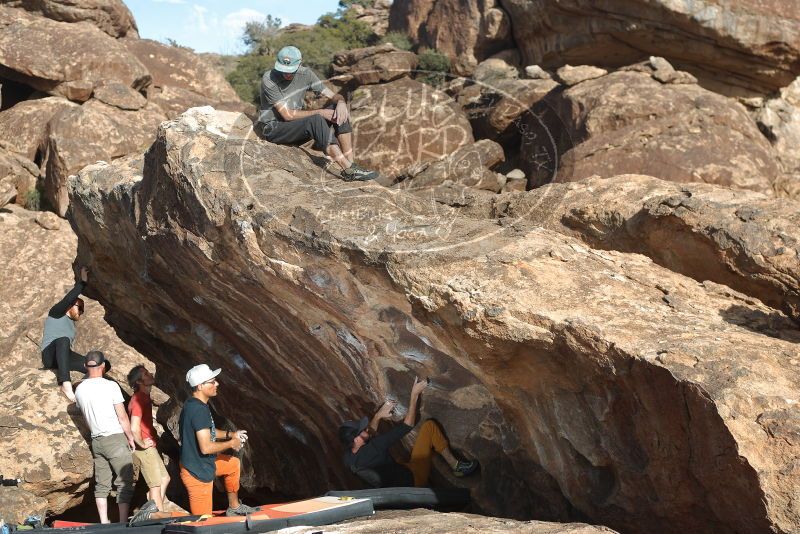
<point>96,398</point>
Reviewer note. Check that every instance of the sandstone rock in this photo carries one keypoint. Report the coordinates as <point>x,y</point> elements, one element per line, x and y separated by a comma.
<point>375,16</point>
<point>111,16</point>
<point>181,68</point>
<point>22,127</point>
<point>414,521</point>
<point>569,75</point>
<point>559,366</point>
<point>626,122</point>
<point>119,95</point>
<point>374,64</point>
<point>779,120</point>
<point>468,166</point>
<point>95,131</point>
<point>405,122</point>
<point>501,111</point>
<point>515,174</point>
<point>48,220</point>
<point>732,47</point>
<point>17,176</point>
<point>493,69</point>
<point>741,239</point>
<point>61,58</point>
<point>45,441</point>
<point>535,72</point>
<point>515,184</point>
<point>467,32</point>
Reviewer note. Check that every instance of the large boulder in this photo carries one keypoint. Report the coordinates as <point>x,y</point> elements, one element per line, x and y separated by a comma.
<point>45,439</point>
<point>566,370</point>
<point>735,47</point>
<point>111,16</point>
<point>94,131</point>
<point>374,14</point>
<point>628,122</point>
<point>405,122</point>
<point>741,239</point>
<point>181,68</point>
<point>373,64</point>
<point>23,126</point>
<point>467,32</point>
<point>62,58</point>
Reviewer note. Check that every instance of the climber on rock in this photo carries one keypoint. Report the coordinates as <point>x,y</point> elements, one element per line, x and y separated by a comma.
<point>59,334</point>
<point>367,453</point>
<point>282,119</point>
<point>100,400</point>
<point>202,445</point>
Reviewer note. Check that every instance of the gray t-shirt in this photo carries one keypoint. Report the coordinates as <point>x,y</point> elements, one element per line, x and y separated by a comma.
<point>275,88</point>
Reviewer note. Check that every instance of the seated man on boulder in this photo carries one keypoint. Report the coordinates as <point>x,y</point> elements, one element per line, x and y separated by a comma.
<point>367,454</point>
<point>202,445</point>
<point>283,120</point>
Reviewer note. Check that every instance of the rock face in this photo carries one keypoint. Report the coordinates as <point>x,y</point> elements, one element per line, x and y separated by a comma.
<point>111,16</point>
<point>779,120</point>
<point>586,381</point>
<point>734,47</point>
<point>467,32</point>
<point>173,66</point>
<point>17,176</point>
<point>736,238</point>
<point>374,64</point>
<point>23,127</point>
<point>95,131</point>
<point>45,441</point>
<point>403,123</point>
<point>414,521</point>
<point>375,16</point>
<point>628,122</point>
<point>61,58</point>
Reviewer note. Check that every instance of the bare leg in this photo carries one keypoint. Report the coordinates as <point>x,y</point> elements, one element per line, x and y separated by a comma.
<point>155,494</point>
<point>335,153</point>
<point>346,142</point>
<point>164,484</point>
<point>124,509</point>
<point>233,499</point>
<point>102,508</point>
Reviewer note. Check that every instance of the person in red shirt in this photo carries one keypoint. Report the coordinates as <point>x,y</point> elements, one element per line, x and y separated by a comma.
<point>146,458</point>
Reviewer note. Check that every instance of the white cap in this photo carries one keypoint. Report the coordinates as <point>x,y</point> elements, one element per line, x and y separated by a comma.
<point>200,373</point>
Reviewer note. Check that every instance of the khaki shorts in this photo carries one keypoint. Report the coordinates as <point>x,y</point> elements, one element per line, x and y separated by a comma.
<point>149,463</point>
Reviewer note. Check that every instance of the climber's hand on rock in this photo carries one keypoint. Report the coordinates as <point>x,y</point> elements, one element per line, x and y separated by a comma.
<point>385,411</point>
<point>418,386</point>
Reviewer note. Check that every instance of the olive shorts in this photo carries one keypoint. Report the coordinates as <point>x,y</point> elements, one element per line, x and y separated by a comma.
<point>112,457</point>
<point>148,462</point>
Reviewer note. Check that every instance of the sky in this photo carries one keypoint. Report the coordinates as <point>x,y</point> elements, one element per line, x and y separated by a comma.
<point>216,25</point>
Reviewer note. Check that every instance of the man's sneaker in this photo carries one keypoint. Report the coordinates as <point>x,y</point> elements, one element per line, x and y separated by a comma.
<point>465,468</point>
<point>356,174</point>
<point>242,509</point>
<point>144,512</point>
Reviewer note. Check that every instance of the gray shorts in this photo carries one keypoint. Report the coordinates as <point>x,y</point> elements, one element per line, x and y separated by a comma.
<point>112,456</point>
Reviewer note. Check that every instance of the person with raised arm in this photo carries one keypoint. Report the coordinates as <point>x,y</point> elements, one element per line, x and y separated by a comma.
<point>367,453</point>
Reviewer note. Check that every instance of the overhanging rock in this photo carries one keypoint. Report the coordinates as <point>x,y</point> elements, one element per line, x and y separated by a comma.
<point>564,369</point>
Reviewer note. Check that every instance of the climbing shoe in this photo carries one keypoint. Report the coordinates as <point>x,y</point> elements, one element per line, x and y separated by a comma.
<point>465,468</point>
<point>144,512</point>
<point>357,174</point>
<point>242,509</point>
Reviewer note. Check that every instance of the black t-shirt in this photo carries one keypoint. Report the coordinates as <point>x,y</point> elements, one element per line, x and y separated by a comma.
<point>195,416</point>
<point>374,455</point>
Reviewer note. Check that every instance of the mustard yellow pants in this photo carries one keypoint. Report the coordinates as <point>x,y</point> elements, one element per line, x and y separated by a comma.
<point>429,439</point>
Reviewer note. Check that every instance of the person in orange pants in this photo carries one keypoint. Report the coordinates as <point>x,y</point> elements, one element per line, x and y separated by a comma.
<point>201,447</point>
<point>368,457</point>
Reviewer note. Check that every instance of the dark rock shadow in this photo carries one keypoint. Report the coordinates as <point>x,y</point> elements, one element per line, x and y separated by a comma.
<point>773,324</point>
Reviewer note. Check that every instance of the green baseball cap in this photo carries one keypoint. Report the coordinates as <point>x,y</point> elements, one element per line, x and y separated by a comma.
<point>289,58</point>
